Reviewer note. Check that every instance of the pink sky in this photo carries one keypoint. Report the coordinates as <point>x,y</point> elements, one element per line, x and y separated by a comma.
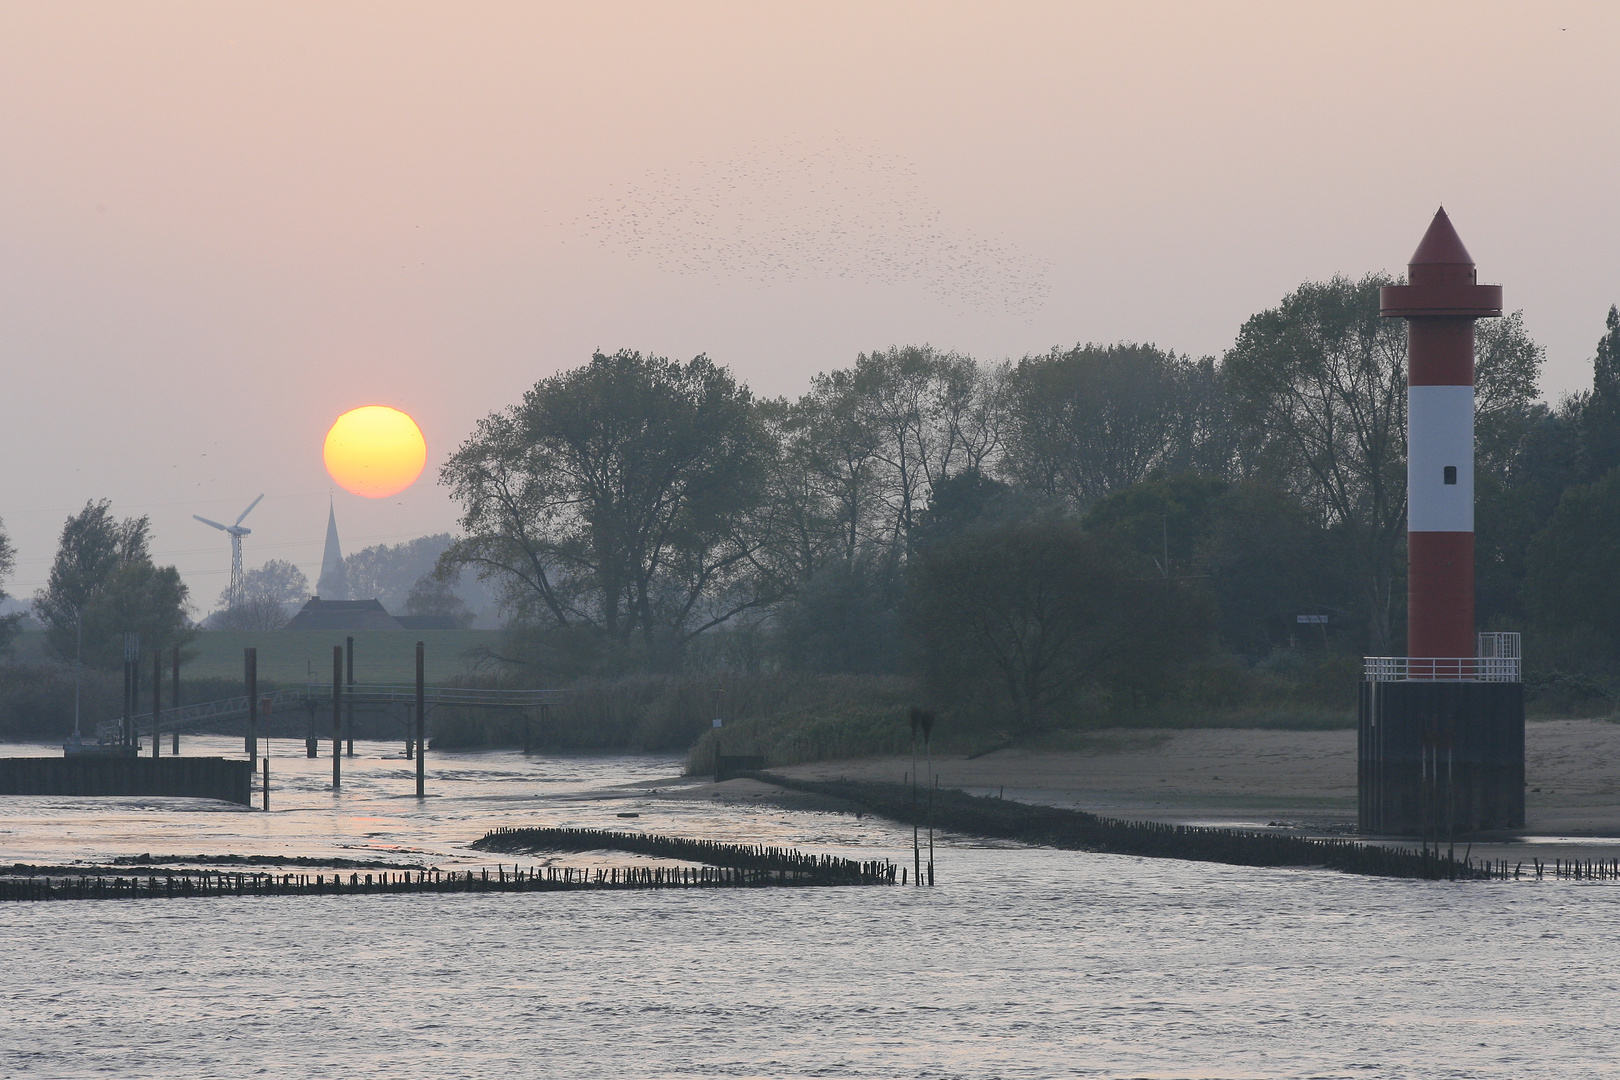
<point>223,225</point>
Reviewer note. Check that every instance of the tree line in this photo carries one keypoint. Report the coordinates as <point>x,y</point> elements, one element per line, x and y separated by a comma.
<point>1082,521</point>
<point>1087,517</point>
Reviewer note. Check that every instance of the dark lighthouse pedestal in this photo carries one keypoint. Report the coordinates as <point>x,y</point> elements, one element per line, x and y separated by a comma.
<point>1439,757</point>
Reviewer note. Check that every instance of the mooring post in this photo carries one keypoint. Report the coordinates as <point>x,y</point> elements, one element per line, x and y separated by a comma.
<point>916,848</point>
<point>348,712</point>
<point>337,717</point>
<point>928,744</point>
<point>265,787</point>
<point>421,725</point>
<point>250,675</point>
<point>157,701</point>
<point>174,659</point>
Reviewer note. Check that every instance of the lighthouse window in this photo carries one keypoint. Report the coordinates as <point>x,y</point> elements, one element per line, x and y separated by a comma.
<point>1451,474</point>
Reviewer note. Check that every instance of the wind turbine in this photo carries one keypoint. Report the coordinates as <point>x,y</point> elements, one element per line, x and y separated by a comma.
<point>236,532</point>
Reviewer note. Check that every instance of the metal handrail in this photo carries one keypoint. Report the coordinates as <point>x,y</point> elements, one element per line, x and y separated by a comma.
<point>360,693</point>
<point>1443,668</point>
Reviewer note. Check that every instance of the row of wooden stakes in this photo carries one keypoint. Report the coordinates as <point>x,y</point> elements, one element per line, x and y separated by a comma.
<point>190,883</point>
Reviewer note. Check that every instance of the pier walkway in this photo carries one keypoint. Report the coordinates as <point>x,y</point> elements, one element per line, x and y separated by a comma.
<point>315,697</point>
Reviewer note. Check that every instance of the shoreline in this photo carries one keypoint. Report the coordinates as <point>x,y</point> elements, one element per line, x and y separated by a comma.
<point>1299,783</point>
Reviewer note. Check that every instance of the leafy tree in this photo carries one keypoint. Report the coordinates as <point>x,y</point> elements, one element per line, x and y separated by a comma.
<point>1249,548</point>
<point>388,572</point>
<point>1507,372</point>
<point>1324,377</point>
<point>968,500</point>
<point>865,448</point>
<point>624,495</point>
<point>8,560</point>
<point>1601,417</point>
<point>1321,382</point>
<point>1041,610</point>
<point>1097,419</point>
<point>1519,468</point>
<point>104,578</point>
<point>841,619</point>
<point>1162,524</point>
<point>1573,566</point>
<point>433,596</point>
<point>1265,561</point>
<point>267,591</point>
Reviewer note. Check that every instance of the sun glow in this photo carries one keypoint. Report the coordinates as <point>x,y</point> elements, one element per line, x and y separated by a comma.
<point>375,451</point>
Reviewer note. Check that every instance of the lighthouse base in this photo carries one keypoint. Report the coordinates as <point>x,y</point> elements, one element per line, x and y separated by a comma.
<point>1440,759</point>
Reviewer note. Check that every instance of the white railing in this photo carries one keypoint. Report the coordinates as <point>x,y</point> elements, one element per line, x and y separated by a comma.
<point>1498,661</point>
<point>1443,668</point>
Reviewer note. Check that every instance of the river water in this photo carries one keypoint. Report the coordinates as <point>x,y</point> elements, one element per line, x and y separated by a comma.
<point>1020,962</point>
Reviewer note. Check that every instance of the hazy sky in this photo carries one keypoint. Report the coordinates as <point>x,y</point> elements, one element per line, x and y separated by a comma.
<point>221,225</point>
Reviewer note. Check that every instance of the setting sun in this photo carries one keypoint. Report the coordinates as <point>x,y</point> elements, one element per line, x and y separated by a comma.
<point>375,451</point>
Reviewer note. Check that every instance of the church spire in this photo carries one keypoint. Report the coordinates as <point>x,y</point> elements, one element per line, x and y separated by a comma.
<point>334,584</point>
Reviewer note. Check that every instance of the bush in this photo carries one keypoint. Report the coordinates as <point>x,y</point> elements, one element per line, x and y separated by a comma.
<point>1560,693</point>
<point>648,712</point>
<point>36,701</point>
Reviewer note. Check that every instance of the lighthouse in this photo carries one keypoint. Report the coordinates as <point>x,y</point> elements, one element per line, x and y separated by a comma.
<point>1440,303</point>
<point>1441,747</point>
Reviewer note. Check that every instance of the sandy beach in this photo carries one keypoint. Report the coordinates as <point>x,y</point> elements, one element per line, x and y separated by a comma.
<point>1301,780</point>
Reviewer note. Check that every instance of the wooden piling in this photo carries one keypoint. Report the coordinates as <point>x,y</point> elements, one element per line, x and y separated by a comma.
<point>250,675</point>
<point>337,717</point>
<point>348,713</point>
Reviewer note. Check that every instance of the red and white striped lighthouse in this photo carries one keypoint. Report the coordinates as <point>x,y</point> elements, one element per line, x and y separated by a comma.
<point>1440,303</point>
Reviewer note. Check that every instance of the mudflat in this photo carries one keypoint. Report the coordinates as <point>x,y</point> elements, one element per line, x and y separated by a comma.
<point>1303,779</point>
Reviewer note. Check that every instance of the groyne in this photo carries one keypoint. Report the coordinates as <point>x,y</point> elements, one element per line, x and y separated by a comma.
<point>728,866</point>
<point>1077,830</point>
<point>802,868</point>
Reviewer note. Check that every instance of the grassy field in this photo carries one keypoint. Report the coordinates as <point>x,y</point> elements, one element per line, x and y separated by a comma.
<point>380,656</point>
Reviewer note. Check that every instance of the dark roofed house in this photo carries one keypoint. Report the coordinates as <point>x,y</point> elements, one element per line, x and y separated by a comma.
<point>321,614</point>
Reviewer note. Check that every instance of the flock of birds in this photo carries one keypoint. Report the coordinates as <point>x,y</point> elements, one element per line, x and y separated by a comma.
<point>785,212</point>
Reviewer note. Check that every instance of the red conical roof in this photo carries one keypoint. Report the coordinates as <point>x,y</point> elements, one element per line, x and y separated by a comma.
<point>1440,258</point>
